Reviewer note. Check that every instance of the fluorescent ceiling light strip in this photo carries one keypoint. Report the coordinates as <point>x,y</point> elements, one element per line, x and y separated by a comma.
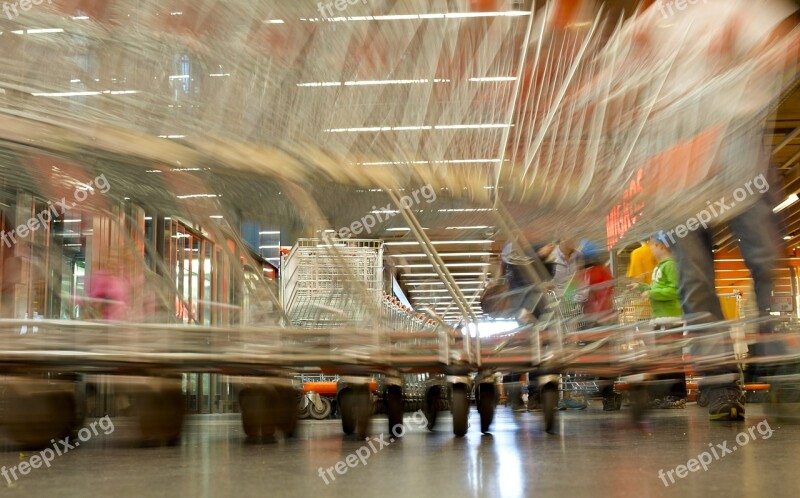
<point>269,247</point>
<point>385,82</point>
<point>274,21</point>
<point>463,274</point>
<point>448,265</point>
<point>439,242</point>
<point>66,94</point>
<point>493,79</point>
<point>470,282</point>
<point>470,126</point>
<point>219,75</point>
<point>324,83</point>
<point>180,77</point>
<point>196,196</point>
<point>466,210</point>
<point>429,291</point>
<point>443,255</point>
<point>411,128</point>
<point>416,128</point>
<point>786,203</point>
<point>476,227</point>
<point>414,17</point>
<point>467,161</point>
<point>270,232</point>
<point>85,93</point>
<point>38,31</point>
<point>444,161</point>
<point>172,136</point>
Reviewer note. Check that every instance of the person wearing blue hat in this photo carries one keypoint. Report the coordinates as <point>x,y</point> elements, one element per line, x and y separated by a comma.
<point>665,303</point>
<point>596,292</point>
<point>663,289</point>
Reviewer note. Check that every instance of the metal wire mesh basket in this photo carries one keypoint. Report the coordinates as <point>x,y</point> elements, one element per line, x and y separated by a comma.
<point>333,283</point>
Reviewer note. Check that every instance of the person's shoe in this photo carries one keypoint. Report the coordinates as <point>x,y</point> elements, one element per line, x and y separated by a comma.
<point>519,408</point>
<point>726,403</point>
<point>673,403</point>
<point>571,404</point>
<point>612,403</point>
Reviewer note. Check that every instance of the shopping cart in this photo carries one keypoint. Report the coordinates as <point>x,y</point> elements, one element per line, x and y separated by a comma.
<point>333,283</point>
<point>632,307</point>
<point>257,141</point>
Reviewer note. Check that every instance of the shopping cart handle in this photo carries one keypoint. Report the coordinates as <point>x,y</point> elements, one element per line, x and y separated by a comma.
<point>667,320</point>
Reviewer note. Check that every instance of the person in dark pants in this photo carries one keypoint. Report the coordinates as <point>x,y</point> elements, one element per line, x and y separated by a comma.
<point>519,270</point>
<point>727,37</point>
<point>757,230</point>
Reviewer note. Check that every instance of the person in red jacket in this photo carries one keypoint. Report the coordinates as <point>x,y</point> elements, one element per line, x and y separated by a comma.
<point>595,287</point>
<point>596,291</point>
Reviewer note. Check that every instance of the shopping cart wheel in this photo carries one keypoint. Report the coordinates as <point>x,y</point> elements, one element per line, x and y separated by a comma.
<point>287,414</point>
<point>256,414</point>
<point>639,402</point>
<point>433,401</point>
<point>394,407</point>
<point>32,420</point>
<point>363,409</point>
<point>320,409</point>
<point>303,408</point>
<point>549,399</point>
<point>356,409</point>
<point>347,411</point>
<point>160,413</point>
<point>487,399</point>
<point>702,398</point>
<point>459,406</point>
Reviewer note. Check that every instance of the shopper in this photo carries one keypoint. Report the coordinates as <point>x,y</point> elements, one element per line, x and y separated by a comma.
<point>595,291</point>
<point>669,390</point>
<point>724,35</point>
<point>642,264</point>
<point>525,300</point>
<point>566,262</point>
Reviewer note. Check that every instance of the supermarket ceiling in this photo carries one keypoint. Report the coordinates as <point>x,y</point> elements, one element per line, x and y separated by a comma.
<point>305,116</point>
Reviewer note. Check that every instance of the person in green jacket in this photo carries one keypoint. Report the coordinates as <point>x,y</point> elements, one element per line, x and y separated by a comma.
<point>664,303</point>
<point>663,290</point>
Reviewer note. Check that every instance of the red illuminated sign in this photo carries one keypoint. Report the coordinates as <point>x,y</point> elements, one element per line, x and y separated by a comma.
<point>625,214</point>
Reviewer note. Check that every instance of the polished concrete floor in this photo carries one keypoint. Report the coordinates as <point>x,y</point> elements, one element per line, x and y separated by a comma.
<point>592,454</point>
